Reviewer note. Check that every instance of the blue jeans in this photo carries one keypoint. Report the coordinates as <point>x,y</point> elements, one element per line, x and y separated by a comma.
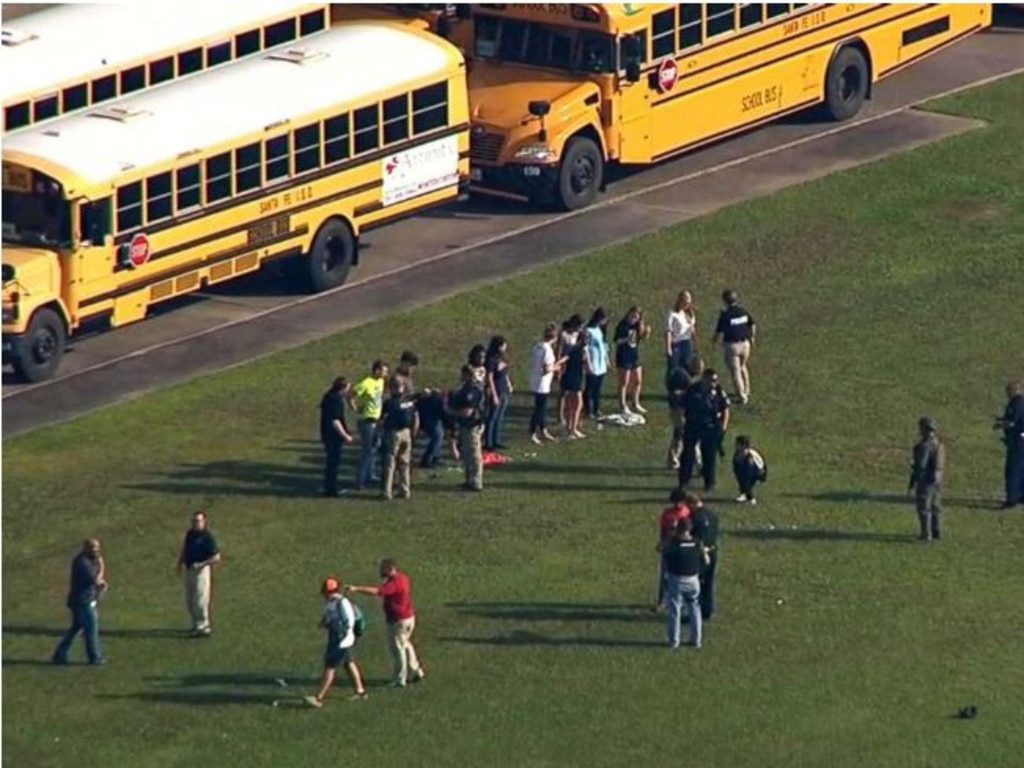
<point>495,421</point>
<point>435,437</point>
<point>84,619</point>
<point>683,589</point>
<point>369,442</point>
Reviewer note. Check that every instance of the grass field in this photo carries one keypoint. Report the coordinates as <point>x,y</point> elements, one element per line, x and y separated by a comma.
<point>882,294</point>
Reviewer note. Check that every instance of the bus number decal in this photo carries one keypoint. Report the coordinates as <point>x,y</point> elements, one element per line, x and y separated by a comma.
<point>559,9</point>
<point>768,97</point>
<point>269,229</point>
<point>297,195</point>
<point>804,22</point>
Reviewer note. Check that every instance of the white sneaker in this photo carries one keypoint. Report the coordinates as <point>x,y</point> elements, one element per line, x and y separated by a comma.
<point>753,502</point>
<point>742,498</point>
<point>535,439</point>
<point>639,408</point>
<point>313,701</point>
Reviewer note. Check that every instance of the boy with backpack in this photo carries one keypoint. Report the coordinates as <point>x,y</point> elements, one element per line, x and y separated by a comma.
<point>344,623</point>
<point>749,468</point>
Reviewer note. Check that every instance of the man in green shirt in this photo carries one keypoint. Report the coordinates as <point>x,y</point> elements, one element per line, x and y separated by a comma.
<point>367,400</point>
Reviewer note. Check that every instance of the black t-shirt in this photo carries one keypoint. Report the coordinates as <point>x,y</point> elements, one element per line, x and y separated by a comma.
<point>705,526</point>
<point>199,546</point>
<point>398,413</point>
<point>627,353</point>
<point>467,396</point>
<point>332,407</point>
<point>430,409</point>
<point>682,558</point>
<point>84,570</point>
<point>735,324</point>
<point>679,380</point>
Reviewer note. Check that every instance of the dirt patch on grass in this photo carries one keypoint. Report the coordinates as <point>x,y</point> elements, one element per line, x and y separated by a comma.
<point>971,209</point>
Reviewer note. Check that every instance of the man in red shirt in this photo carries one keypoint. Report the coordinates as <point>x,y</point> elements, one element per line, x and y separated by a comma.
<point>670,517</point>
<point>396,590</point>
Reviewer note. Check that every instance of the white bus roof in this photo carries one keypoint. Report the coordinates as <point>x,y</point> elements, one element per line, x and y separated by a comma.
<point>46,49</point>
<point>348,64</point>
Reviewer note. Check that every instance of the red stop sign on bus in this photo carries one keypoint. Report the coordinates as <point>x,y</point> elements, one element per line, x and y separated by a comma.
<point>668,75</point>
<point>138,250</point>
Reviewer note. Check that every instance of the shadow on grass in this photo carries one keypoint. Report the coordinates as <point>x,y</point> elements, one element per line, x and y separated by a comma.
<point>33,663</point>
<point>38,631</point>
<point>525,637</point>
<point>821,534</point>
<point>192,698</point>
<point>555,611</point>
<point>873,497</point>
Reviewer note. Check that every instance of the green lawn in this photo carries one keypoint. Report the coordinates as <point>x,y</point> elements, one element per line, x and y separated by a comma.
<point>882,294</point>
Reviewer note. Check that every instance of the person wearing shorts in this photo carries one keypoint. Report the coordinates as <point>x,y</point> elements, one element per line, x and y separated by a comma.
<point>573,348</point>
<point>630,331</point>
<point>339,619</point>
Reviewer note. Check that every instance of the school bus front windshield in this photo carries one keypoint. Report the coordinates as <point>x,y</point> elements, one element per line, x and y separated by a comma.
<point>543,45</point>
<point>36,214</point>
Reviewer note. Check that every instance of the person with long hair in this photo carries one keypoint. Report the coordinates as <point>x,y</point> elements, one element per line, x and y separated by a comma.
<point>499,391</point>
<point>572,347</point>
<point>681,333</point>
<point>544,365</point>
<point>629,333</point>
<point>597,362</point>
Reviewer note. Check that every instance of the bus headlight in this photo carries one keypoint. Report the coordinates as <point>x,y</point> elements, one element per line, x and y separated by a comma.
<point>536,153</point>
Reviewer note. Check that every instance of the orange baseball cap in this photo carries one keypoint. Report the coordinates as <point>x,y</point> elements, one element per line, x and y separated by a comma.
<point>330,585</point>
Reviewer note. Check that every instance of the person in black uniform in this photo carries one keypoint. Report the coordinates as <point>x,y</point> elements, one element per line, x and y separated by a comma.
<point>927,464</point>
<point>707,419</point>
<point>735,329</point>
<point>466,407</point>
<point>1012,424</point>
<point>679,380</point>
<point>333,432</point>
<point>705,530</point>
<point>682,557</point>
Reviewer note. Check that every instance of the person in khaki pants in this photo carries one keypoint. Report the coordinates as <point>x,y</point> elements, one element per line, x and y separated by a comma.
<point>736,329</point>
<point>199,553</point>
<point>466,406</point>
<point>396,591</point>
<point>401,422</point>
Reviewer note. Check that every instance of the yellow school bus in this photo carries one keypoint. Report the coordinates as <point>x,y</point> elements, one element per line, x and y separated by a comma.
<point>558,91</point>
<point>67,57</point>
<point>446,19</point>
<point>292,153</point>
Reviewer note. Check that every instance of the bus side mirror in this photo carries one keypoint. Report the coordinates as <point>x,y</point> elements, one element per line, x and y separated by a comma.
<point>632,56</point>
<point>539,108</point>
<point>632,71</point>
<point>8,273</point>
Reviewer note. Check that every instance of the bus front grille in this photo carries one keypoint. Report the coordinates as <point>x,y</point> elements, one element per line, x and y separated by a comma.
<point>485,147</point>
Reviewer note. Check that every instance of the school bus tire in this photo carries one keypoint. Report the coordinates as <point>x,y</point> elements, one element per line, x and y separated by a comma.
<point>43,348</point>
<point>331,255</point>
<point>581,174</point>
<point>846,83</point>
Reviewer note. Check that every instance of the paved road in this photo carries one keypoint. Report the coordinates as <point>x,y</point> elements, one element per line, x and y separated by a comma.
<point>447,251</point>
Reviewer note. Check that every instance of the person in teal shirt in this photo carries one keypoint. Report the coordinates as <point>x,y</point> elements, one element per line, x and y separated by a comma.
<point>597,362</point>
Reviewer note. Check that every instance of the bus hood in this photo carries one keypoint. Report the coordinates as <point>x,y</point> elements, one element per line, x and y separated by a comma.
<point>499,98</point>
<point>35,269</point>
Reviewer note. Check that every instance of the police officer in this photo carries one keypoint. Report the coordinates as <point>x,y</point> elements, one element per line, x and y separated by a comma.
<point>678,382</point>
<point>928,461</point>
<point>1012,424</point>
<point>735,329</point>
<point>334,432</point>
<point>400,422</point>
<point>705,530</point>
<point>707,418</point>
<point>466,406</point>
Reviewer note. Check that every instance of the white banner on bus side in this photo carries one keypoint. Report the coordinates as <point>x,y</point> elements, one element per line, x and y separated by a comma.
<point>420,170</point>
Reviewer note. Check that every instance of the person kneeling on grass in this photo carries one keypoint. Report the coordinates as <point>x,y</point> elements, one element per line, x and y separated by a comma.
<point>749,468</point>
<point>340,620</point>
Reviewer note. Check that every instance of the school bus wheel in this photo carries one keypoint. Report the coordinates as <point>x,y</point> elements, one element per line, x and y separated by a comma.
<point>846,83</point>
<point>331,255</point>
<point>43,347</point>
<point>581,173</point>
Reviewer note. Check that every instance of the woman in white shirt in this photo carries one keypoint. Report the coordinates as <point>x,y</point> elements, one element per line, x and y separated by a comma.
<point>680,333</point>
<point>543,366</point>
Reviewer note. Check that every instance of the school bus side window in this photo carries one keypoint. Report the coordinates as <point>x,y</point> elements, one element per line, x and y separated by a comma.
<point>247,43</point>
<point>336,138</point>
<point>486,36</point>
<point>277,158</point>
<point>189,187</point>
<point>17,115</point>
<point>367,138</point>
<point>129,206</point>
<point>104,88</point>
<point>44,108</point>
<point>218,177</point>
<point>396,119</point>
<point>248,167</point>
<point>281,32</point>
<point>94,220</point>
<point>161,70</point>
<point>311,22</point>
<point>691,25</point>
<point>750,14</point>
<point>307,148</point>
<point>219,53</point>
<point>663,33</point>
<point>133,79</point>
<point>721,18</point>
<point>776,9</point>
<point>158,197</point>
<point>190,61</point>
<point>429,108</point>
<point>75,97</point>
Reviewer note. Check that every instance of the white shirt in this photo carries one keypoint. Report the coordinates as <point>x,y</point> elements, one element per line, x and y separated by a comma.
<point>541,372</point>
<point>680,326</point>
